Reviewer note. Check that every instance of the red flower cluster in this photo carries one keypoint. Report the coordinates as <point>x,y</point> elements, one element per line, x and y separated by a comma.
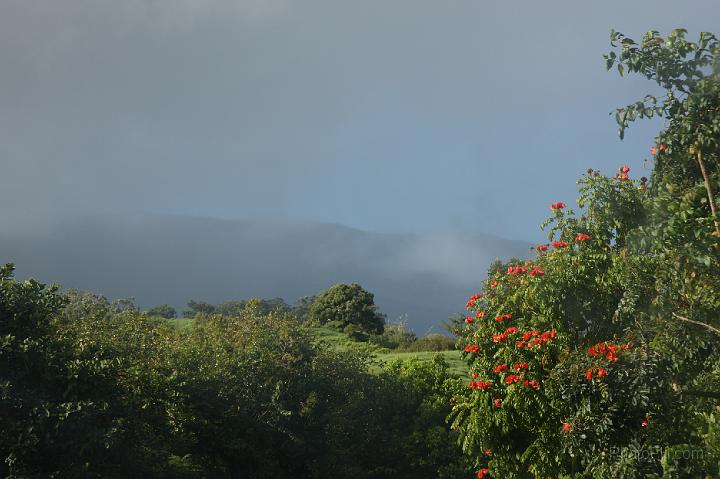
<point>531,384</point>
<point>500,368</point>
<point>623,173</point>
<point>559,244</point>
<point>473,300</point>
<point>542,248</point>
<point>600,373</point>
<point>497,402</point>
<point>520,366</point>
<point>503,317</point>
<point>558,206</point>
<point>539,338</point>
<point>654,150</point>
<point>512,378</point>
<point>582,237</point>
<point>516,270</point>
<point>480,385</point>
<point>469,319</point>
<point>472,348</point>
<point>536,271</point>
<point>493,284</point>
<point>483,472</point>
<point>498,338</point>
<point>609,351</point>
<point>566,427</point>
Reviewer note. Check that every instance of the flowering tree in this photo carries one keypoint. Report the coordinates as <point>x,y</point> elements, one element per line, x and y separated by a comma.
<point>598,356</point>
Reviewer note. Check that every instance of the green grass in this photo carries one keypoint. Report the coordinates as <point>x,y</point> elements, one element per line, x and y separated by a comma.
<point>457,366</point>
<point>181,323</point>
<point>339,341</point>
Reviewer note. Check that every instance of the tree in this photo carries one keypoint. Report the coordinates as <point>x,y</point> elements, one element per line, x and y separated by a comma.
<point>302,306</point>
<point>163,310</point>
<point>599,357</point>
<point>198,307</point>
<point>348,304</point>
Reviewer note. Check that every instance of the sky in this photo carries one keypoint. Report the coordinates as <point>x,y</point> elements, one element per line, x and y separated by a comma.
<point>389,116</point>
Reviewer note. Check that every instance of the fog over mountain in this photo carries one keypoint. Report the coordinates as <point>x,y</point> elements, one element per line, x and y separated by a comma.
<point>172,259</point>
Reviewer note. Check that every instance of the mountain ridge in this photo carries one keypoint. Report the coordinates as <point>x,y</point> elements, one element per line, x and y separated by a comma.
<point>157,258</point>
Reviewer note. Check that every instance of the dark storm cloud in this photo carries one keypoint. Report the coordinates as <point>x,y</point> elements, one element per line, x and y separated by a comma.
<point>388,115</point>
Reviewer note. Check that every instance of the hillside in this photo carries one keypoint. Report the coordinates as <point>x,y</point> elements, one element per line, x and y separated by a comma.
<point>172,259</point>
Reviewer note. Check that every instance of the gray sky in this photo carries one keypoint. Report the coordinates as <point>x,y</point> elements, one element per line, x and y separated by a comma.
<point>384,115</point>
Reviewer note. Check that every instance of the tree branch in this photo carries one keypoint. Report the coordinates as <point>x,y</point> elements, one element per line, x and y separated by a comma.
<point>708,188</point>
<point>699,323</point>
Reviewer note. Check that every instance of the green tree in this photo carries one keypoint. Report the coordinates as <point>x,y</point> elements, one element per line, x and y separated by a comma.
<point>198,307</point>
<point>347,304</point>
<point>163,310</point>
<point>599,357</point>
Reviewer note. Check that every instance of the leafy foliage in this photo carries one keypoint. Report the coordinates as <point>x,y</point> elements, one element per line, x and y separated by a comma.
<point>599,357</point>
<point>347,304</point>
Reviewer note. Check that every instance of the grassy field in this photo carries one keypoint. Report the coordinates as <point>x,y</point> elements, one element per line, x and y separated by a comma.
<point>338,340</point>
<point>458,367</point>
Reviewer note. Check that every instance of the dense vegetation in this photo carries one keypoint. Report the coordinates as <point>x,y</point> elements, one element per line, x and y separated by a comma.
<point>596,358</point>
<point>599,357</point>
<point>98,389</point>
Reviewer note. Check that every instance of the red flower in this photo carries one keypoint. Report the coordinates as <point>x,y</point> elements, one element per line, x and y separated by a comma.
<point>473,300</point>
<point>534,384</point>
<point>601,373</point>
<point>511,330</point>
<point>480,314</point>
<point>653,150</point>
<point>558,205</point>
<point>497,338</point>
<point>474,374</point>
<point>662,147</point>
<point>488,452</point>
<point>559,244</point>
<point>588,375</point>
<point>497,402</point>
<point>566,427</point>
<point>483,472</point>
<point>469,320</point>
<point>542,248</point>
<point>493,284</point>
<point>472,348</point>
<point>527,336</point>
<point>500,368</point>
<point>536,271</point>
<point>480,385</point>
<point>520,344</point>
<point>625,169</point>
<point>582,237</point>
<point>512,378</point>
